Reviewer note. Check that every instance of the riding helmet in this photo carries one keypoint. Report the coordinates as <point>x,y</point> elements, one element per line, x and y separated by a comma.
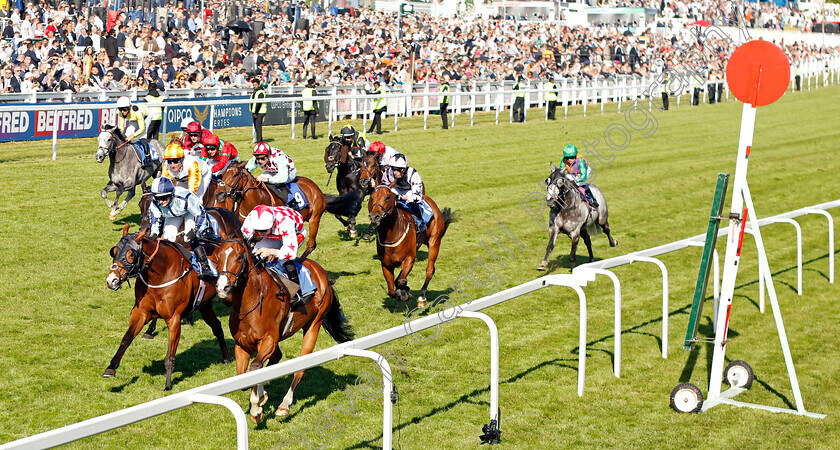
<point>173,151</point>
<point>348,131</point>
<point>262,148</point>
<point>123,102</point>
<point>162,187</point>
<point>194,127</point>
<point>400,162</point>
<point>210,139</point>
<point>570,151</point>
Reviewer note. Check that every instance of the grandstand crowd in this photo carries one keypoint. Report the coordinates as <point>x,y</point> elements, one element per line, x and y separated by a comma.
<point>59,46</point>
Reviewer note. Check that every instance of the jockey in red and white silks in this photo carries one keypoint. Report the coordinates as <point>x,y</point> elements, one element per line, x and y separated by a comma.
<point>279,229</point>
<point>278,167</point>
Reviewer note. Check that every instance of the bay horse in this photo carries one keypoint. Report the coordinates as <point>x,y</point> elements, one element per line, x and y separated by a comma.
<point>229,228</point>
<point>240,192</point>
<point>397,241</point>
<point>165,287</point>
<point>259,318</point>
<point>125,171</point>
<point>371,175</point>
<point>337,156</point>
<point>570,214</point>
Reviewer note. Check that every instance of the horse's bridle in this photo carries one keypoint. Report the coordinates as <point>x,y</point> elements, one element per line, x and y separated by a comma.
<point>238,275</point>
<point>113,149</point>
<point>235,192</point>
<point>564,182</point>
<point>344,158</point>
<point>135,269</point>
<point>385,213</point>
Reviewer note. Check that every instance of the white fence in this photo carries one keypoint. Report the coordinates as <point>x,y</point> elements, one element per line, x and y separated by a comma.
<point>212,393</point>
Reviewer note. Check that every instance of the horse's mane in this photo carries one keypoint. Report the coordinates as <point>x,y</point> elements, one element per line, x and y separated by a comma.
<point>115,131</point>
<point>174,138</point>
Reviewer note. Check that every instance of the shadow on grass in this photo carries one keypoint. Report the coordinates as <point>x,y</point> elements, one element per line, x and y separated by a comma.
<point>563,262</point>
<point>468,398</point>
<point>317,384</point>
<point>133,219</point>
<point>190,361</point>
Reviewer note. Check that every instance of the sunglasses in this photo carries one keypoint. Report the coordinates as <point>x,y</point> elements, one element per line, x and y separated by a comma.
<point>261,157</point>
<point>174,160</point>
<point>194,134</point>
<point>211,147</point>
<point>123,109</point>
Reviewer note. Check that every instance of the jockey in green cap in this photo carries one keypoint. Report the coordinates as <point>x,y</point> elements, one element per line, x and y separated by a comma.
<point>579,169</point>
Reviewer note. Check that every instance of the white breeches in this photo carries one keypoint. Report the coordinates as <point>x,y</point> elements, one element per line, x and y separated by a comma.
<point>171,225</point>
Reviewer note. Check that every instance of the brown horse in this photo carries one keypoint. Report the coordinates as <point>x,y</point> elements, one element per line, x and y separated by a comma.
<point>259,318</point>
<point>229,228</point>
<point>371,173</point>
<point>240,192</point>
<point>337,156</point>
<point>397,241</point>
<point>165,288</point>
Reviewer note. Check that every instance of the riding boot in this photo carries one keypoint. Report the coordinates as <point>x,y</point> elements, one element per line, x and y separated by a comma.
<point>591,198</point>
<point>291,272</point>
<point>147,151</point>
<point>203,263</point>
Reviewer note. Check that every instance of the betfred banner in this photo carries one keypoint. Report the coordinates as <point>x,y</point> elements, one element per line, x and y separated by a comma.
<point>30,125</point>
<point>223,116</point>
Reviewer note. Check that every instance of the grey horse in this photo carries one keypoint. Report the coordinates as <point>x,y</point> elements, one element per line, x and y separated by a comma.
<point>125,171</point>
<point>570,214</point>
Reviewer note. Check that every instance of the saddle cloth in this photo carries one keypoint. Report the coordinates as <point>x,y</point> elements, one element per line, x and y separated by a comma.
<point>140,147</point>
<point>304,276</point>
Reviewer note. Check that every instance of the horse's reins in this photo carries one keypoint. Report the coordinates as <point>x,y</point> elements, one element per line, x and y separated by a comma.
<point>240,274</point>
<point>574,206</point>
<point>399,222</point>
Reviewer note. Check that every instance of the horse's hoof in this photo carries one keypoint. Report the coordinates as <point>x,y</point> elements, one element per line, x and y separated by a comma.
<point>226,360</point>
<point>263,399</point>
<point>366,237</point>
<point>109,373</point>
<point>613,243</point>
<point>354,233</point>
<point>422,303</point>
<point>542,266</point>
<point>256,419</point>
<point>112,217</point>
<point>167,388</point>
<point>148,336</point>
<point>282,411</point>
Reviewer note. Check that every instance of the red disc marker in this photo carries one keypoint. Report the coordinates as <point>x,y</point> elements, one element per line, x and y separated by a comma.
<point>758,73</point>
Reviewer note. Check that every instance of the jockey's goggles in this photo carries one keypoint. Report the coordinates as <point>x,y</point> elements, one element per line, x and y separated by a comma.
<point>194,134</point>
<point>124,109</point>
<point>261,157</point>
<point>211,147</point>
<point>175,160</point>
<point>163,197</point>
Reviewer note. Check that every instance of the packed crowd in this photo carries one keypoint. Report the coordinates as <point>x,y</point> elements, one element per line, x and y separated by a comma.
<point>57,47</point>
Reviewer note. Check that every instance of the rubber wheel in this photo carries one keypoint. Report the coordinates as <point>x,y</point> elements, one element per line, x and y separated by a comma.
<point>738,374</point>
<point>686,398</point>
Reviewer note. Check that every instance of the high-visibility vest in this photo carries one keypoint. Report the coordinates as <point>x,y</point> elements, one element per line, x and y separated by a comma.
<point>155,112</point>
<point>380,102</point>
<point>258,108</point>
<point>666,81</point>
<point>550,94</point>
<point>308,105</point>
<point>522,86</point>
<point>444,89</point>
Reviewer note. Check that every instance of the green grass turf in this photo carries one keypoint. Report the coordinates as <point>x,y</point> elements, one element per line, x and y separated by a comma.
<point>60,325</point>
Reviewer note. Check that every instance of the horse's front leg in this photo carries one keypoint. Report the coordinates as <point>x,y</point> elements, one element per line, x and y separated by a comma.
<point>129,194</point>
<point>314,223</point>
<point>259,396</point>
<point>135,325</point>
<point>575,236</point>
<point>114,209</point>
<point>310,336</point>
<point>352,223</point>
<point>388,272</point>
<point>403,291</point>
<point>588,241</point>
<point>210,318</point>
<point>174,324</point>
<point>110,187</point>
<point>553,231</point>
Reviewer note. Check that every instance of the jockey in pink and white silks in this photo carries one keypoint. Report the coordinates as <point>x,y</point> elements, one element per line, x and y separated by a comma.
<point>278,232</point>
<point>173,207</point>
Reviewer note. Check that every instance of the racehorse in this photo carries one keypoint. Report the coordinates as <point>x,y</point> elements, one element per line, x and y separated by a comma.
<point>229,228</point>
<point>240,192</point>
<point>371,174</point>
<point>397,241</point>
<point>125,170</point>
<point>165,288</point>
<point>570,214</point>
<point>259,318</point>
<point>337,155</point>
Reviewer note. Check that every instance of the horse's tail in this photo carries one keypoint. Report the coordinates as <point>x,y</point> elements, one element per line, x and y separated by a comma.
<point>336,322</point>
<point>449,216</point>
<point>348,204</point>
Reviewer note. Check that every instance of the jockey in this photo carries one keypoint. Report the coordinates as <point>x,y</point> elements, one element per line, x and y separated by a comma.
<point>184,124</point>
<point>357,143</point>
<point>383,153</point>
<point>186,171</point>
<point>387,162</point>
<point>579,169</point>
<point>175,206</point>
<point>132,123</point>
<point>217,152</point>
<point>409,189</point>
<point>278,172</point>
<point>278,232</point>
<point>195,134</point>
